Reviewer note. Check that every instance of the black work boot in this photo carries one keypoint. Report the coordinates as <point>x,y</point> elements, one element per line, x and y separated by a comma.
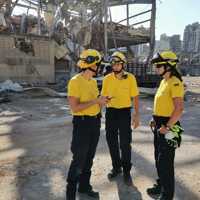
<point>164,197</point>
<point>71,192</point>
<point>85,187</point>
<point>127,178</point>
<point>89,192</point>
<point>113,173</point>
<point>155,190</point>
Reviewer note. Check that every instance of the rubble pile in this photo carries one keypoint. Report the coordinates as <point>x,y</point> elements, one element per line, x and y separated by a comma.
<point>192,89</point>
<point>83,24</point>
<point>9,85</point>
<point>131,31</point>
<point>66,27</point>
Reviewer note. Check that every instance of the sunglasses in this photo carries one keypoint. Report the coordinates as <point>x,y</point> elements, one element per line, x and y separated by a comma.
<point>116,62</point>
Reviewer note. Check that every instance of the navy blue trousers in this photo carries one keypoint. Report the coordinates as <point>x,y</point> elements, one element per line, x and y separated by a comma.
<point>86,132</point>
<point>164,160</point>
<point>119,137</point>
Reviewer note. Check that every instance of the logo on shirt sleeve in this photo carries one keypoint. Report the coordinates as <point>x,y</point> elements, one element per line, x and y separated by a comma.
<point>176,84</point>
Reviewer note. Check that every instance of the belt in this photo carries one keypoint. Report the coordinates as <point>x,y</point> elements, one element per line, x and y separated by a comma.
<point>119,109</point>
<point>160,118</point>
<point>82,117</point>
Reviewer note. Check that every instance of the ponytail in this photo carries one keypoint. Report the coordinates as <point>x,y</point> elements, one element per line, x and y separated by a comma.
<point>176,73</point>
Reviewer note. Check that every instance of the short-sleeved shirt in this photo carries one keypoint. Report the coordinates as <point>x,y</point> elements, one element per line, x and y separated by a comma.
<point>163,101</point>
<point>121,90</point>
<point>85,90</point>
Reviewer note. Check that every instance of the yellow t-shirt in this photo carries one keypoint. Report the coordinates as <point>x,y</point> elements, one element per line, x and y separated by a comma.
<point>85,90</point>
<point>121,90</point>
<point>163,101</point>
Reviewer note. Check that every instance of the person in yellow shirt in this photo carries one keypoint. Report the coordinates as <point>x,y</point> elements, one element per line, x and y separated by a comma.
<point>85,107</point>
<point>120,88</point>
<point>168,108</point>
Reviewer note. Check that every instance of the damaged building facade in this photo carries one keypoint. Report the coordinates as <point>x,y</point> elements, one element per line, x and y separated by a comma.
<point>43,43</point>
<point>28,59</point>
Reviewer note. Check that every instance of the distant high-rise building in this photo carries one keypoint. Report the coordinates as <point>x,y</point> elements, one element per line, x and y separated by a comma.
<point>175,43</point>
<point>162,44</point>
<point>191,38</point>
<point>172,43</point>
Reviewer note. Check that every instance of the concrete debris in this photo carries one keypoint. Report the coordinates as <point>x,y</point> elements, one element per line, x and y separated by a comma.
<point>122,29</point>
<point>4,100</point>
<point>139,31</point>
<point>60,51</point>
<point>192,97</point>
<point>87,38</point>
<point>35,153</point>
<point>76,28</point>
<point>61,80</point>
<point>148,91</point>
<point>43,91</point>
<point>71,45</point>
<point>48,16</point>
<point>2,19</point>
<point>8,85</point>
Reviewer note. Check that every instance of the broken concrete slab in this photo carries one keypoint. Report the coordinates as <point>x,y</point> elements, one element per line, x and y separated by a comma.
<point>148,91</point>
<point>4,100</point>
<point>9,85</point>
<point>43,91</point>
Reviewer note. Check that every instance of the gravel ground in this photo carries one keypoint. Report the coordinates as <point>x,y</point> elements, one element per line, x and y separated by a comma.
<point>35,136</point>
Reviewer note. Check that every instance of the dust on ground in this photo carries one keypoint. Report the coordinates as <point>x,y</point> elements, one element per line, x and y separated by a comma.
<point>35,136</point>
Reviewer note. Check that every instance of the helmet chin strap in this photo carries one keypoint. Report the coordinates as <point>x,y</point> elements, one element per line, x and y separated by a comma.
<point>166,70</point>
<point>118,72</point>
<point>164,73</point>
<point>93,70</point>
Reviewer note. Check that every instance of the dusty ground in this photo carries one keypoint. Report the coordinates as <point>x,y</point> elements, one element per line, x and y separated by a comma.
<point>35,135</point>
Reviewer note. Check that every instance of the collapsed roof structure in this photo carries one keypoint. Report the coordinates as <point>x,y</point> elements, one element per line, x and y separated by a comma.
<point>78,24</point>
<point>86,22</point>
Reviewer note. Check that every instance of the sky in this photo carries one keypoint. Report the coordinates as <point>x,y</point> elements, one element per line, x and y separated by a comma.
<point>171,18</point>
<point>172,15</point>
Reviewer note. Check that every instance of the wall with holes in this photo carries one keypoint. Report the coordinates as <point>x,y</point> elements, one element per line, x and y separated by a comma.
<point>27,59</point>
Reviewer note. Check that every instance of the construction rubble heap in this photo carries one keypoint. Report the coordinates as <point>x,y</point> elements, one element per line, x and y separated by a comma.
<point>78,21</point>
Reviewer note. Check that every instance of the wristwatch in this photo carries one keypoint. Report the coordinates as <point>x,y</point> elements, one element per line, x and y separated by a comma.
<point>167,127</point>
